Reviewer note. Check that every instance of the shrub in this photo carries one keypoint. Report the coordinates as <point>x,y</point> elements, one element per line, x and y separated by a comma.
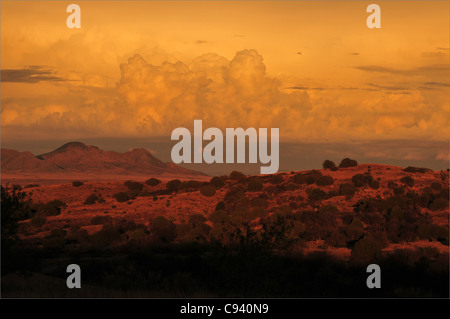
<point>217,182</point>
<point>367,249</point>
<point>317,194</point>
<point>134,186</point>
<point>237,176</point>
<point>439,204</point>
<point>92,199</point>
<point>408,181</point>
<point>152,181</point>
<point>374,184</point>
<point>52,208</point>
<point>259,202</point>
<point>436,186</point>
<point>325,180</point>
<point>208,190</point>
<point>38,221</point>
<point>412,169</point>
<point>276,179</point>
<point>121,197</point>
<point>31,185</point>
<point>219,217</point>
<point>310,179</point>
<point>361,180</point>
<point>101,220</point>
<point>192,184</point>
<point>77,183</point>
<point>173,185</point>
<point>433,232</point>
<point>162,229</point>
<point>220,206</point>
<point>347,189</point>
<point>347,162</point>
<point>327,164</point>
<point>255,185</point>
<point>399,190</point>
<point>196,219</point>
<point>299,179</point>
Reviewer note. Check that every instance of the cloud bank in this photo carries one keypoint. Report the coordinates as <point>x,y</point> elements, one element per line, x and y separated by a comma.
<point>152,100</point>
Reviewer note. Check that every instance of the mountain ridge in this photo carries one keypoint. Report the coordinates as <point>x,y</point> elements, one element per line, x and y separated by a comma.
<point>77,157</point>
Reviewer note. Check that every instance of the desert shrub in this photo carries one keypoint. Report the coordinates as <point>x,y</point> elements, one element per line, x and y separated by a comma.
<point>336,239</point>
<point>399,190</point>
<point>101,220</point>
<point>292,187</point>
<point>276,179</point>
<point>439,204</point>
<point>396,212</point>
<point>199,232</point>
<point>433,232</point>
<point>37,221</point>
<point>255,185</point>
<point>162,229</point>
<point>134,186</point>
<point>332,209</point>
<point>220,206</point>
<point>310,179</point>
<point>436,186</point>
<point>298,179</point>
<point>208,190</point>
<point>392,184</point>
<point>57,232</point>
<point>52,208</point>
<point>367,249</point>
<point>361,180</point>
<point>237,176</point>
<point>347,162</point>
<point>234,194</point>
<point>327,164</point>
<point>258,212</point>
<point>93,198</point>
<point>77,183</point>
<point>317,194</point>
<point>259,202</point>
<point>325,180</point>
<point>31,185</point>
<point>363,206</point>
<point>121,197</point>
<point>408,181</point>
<point>108,235</point>
<point>374,184</point>
<point>219,217</point>
<point>298,228</point>
<point>217,182</point>
<point>173,185</point>
<point>196,219</point>
<point>285,211</point>
<point>191,184</point>
<point>152,181</point>
<point>347,189</point>
<point>412,169</point>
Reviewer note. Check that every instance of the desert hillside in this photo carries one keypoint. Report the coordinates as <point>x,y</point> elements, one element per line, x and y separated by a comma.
<point>328,209</point>
<point>76,160</point>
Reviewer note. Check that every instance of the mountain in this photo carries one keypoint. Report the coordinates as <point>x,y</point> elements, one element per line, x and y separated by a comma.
<point>26,162</point>
<point>76,157</point>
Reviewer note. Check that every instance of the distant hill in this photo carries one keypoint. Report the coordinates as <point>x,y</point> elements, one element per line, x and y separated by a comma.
<point>76,158</point>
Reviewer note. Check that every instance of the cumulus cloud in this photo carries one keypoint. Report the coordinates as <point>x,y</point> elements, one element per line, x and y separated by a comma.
<point>223,93</point>
<point>153,99</point>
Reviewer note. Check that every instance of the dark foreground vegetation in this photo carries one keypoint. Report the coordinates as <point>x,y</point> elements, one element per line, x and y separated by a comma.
<point>244,248</point>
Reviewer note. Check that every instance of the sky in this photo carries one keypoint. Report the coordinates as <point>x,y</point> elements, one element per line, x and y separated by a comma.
<point>136,70</point>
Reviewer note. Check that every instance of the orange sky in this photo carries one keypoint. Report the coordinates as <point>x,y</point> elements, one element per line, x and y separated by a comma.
<point>143,68</point>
